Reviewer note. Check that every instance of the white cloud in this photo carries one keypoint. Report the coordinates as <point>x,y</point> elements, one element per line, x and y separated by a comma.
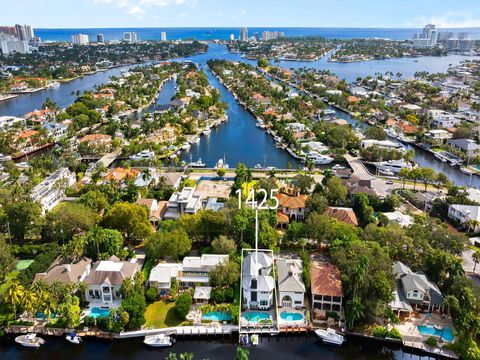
<point>138,8</point>
<point>452,19</point>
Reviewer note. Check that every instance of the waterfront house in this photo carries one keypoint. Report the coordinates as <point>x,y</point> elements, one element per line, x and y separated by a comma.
<point>442,119</point>
<point>343,214</point>
<point>327,290</point>
<point>202,294</point>
<point>95,140</point>
<point>120,175</point>
<point>173,179</point>
<point>50,192</point>
<point>183,202</point>
<point>382,144</point>
<point>257,281</point>
<point>105,279</point>
<point>162,275</point>
<point>292,207</point>
<point>65,273</point>
<point>291,289</point>
<point>195,269</point>
<point>421,293</point>
<point>55,130</point>
<point>468,146</point>
<point>438,136</point>
<point>463,214</point>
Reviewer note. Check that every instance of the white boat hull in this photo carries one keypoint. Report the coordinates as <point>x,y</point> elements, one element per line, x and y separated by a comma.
<point>330,337</point>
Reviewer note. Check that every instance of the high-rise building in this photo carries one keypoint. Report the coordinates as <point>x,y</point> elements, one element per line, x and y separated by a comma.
<point>244,34</point>
<point>9,44</point>
<point>100,38</point>
<point>452,44</point>
<point>130,37</point>
<point>232,37</point>
<point>163,36</point>
<point>427,38</point>
<point>9,30</point>
<point>256,36</point>
<point>29,32</point>
<point>80,39</point>
<point>462,35</point>
<point>445,35</point>
<point>272,35</point>
<point>21,33</point>
<point>466,44</point>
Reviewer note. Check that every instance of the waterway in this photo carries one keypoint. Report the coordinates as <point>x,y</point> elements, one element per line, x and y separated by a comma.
<point>239,140</point>
<point>279,348</point>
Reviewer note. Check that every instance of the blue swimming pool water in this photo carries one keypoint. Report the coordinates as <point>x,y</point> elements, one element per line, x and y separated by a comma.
<point>445,333</point>
<point>40,315</point>
<point>97,312</point>
<point>291,316</point>
<point>256,316</point>
<point>217,316</point>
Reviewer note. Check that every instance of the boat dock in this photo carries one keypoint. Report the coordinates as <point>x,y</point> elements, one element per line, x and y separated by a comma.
<point>181,331</point>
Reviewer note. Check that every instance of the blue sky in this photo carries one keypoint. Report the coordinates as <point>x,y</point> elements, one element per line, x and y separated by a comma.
<point>229,13</point>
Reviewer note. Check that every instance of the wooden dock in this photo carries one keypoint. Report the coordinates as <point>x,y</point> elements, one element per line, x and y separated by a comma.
<point>435,351</point>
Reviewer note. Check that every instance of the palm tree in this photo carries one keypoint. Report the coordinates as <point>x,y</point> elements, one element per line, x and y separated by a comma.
<point>355,311</point>
<point>359,274</point>
<point>146,175</point>
<point>271,173</point>
<point>14,293</point>
<point>29,302</point>
<point>404,174</point>
<point>471,225</point>
<point>476,259</point>
<point>452,303</point>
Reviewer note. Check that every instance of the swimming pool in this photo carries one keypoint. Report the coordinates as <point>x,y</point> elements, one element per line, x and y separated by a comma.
<point>445,332</point>
<point>291,316</point>
<point>217,316</point>
<point>97,312</point>
<point>256,316</point>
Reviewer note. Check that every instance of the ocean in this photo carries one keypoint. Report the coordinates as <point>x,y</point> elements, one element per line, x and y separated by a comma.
<point>224,33</point>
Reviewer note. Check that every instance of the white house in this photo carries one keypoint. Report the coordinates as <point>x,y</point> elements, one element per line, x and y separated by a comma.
<point>183,202</point>
<point>195,269</point>
<point>438,134</point>
<point>9,121</point>
<point>257,282</point>
<point>161,276</point>
<point>382,144</point>
<point>55,130</point>
<point>442,119</point>
<point>464,213</point>
<point>400,218</point>
<point>50,191</point>
<point>359,91</point>
<point>291,289</point>
<point>105,279</point>
<point>295,126</point>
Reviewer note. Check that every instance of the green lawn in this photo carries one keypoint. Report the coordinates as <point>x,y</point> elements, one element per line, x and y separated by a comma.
<point>161,314</point>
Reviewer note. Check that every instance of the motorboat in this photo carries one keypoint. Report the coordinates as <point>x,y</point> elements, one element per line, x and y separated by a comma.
<point>207,131</point>
<point>197,164</point>
<point>330,336</point>
<point>160,340</point>
<point>74,338</point>
<point>440,157</point>
<point>4,158</point>
<point>186,146</point>
<point>393,165</point>
<point>257,166</point>
<point>143,155</point>
<point>30,340</point>
<point>338,167</point>
<point>466,170</point>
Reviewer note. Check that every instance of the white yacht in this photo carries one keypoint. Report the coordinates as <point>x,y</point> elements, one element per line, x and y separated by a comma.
<point>393,165</point>
<point>207,131</point>
<point>320,159</point>
<point>197,164</point>
<point>221,164</point>
<point>257,166</point>
<point>186,146</point>
<point>160,340</point>
<point>330,336</point>
<point>30,340</point>
<point>466,170</point>
<point>143,155</point>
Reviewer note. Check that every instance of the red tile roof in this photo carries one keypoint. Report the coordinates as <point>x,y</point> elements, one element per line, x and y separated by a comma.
<point>292,202</point>
<point>346,215</point>
<point>326,280</point>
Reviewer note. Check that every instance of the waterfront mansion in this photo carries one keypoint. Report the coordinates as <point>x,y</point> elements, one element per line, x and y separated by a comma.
<point>257,281</point>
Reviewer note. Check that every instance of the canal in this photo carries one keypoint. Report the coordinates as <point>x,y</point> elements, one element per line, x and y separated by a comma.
<point>239,140</point>
<point>279,348</point>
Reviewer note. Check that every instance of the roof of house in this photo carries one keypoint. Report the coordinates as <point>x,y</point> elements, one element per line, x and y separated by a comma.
<point>346,215</point>
<point>120,174</point>
<point>164,272</point>
<point>282,218</point>
<point>95,137</point>
<point>250,265</point>
<point>416,281</point>
<point>172,178</point>
<point>207,261</point>
<point>64,273</point>
<point>202,293</point>
<point>465,144</point>
<point>290,275</point>
<point>326,280</point>
<point>111,272</point>
<point>292,202</point>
